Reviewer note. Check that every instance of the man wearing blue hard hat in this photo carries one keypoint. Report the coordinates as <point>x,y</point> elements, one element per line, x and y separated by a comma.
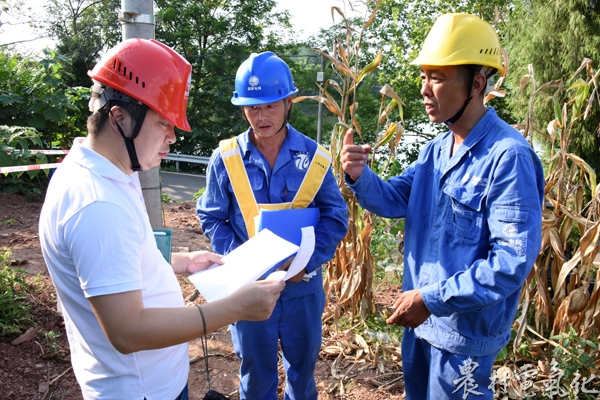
<point>273,166</point>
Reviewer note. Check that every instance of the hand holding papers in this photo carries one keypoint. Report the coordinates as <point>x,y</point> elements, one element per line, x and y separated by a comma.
<point>249,261</point>
<point>288,224</point>
<point>305,251</point>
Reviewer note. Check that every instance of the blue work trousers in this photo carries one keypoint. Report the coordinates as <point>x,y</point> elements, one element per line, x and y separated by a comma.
<point>296,323</point>
<point>434,374</point>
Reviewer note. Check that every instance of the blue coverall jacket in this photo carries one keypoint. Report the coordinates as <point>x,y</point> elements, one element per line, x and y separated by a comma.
<point>472,232</point>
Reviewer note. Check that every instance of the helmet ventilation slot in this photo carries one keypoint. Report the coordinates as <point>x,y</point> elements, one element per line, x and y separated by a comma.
<point>492,51</point>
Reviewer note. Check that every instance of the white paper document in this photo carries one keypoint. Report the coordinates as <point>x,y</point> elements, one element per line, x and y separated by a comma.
<point>250,261</point>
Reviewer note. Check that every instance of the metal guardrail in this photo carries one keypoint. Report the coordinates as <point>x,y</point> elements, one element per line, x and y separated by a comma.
<point>186,158</point>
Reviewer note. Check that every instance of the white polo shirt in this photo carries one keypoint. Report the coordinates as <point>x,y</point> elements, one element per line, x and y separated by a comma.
<point>96,239</point>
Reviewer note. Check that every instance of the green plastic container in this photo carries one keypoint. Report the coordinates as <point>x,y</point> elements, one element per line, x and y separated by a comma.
<point>163,242</point>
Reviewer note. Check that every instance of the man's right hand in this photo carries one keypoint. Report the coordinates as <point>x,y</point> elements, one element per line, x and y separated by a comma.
<point>354,157</point>
<point>256,301</point>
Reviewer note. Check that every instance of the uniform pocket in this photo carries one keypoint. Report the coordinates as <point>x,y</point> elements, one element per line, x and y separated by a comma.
<point>511,228</point>
<point>292,185</point>
<point>293,182</point>
<point>256,181</point>
<point>464,218</point>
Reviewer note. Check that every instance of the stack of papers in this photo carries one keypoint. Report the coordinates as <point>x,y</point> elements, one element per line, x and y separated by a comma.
<point>251,260</point>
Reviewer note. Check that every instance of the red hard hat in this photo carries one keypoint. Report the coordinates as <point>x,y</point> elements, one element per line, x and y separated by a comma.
<point>150,72</point>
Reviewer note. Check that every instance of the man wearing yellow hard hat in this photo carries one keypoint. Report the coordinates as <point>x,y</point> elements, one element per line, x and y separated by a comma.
<point>472,203</point>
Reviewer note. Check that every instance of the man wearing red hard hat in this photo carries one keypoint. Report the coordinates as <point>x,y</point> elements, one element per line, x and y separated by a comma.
<point>124,313</point>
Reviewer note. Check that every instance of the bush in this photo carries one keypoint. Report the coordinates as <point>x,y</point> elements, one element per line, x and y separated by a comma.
<point>37,108</point>
<point>14,310</point>
<point>199,193</point>
<point>15,142</point>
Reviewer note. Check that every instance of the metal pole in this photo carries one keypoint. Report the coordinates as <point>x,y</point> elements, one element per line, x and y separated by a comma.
<point>137,20</point>
<point>320,112</point>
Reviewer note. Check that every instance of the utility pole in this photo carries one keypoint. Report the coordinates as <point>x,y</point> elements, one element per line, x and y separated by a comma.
<point>320,79</point>
<point>137,20</point>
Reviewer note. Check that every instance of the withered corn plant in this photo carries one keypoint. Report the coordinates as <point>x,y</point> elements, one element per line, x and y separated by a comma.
<point>563,290</point>
<point>349,275</point>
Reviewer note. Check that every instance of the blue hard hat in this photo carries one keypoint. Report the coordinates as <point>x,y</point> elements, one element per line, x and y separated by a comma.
<point>262,79</point>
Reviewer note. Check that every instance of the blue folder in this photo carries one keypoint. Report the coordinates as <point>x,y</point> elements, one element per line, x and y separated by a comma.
<point>288,223</point>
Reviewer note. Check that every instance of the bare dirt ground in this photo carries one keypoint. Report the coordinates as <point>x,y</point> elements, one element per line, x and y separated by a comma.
<point>40,368</point>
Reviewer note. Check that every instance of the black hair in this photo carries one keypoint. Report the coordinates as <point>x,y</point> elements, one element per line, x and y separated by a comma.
<point>98,119</point>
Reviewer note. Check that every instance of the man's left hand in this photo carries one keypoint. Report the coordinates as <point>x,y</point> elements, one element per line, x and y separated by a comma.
<point>410,310</point>
<point>286,265</point>
<point>298,277</point>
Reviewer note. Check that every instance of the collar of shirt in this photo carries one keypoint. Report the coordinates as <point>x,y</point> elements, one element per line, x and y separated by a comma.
<point>479,131</point>
<point>89,159</point>
<point>292,144</point>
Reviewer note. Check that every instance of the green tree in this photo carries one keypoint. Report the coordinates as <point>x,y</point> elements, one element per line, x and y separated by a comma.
<point>33,93</point>
<point>216,37</point>
<point>400,29</point>
<point>83,29</point>
<point>554,36</point>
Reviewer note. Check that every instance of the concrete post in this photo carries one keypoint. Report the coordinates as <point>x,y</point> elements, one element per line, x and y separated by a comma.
<point>137,20</point>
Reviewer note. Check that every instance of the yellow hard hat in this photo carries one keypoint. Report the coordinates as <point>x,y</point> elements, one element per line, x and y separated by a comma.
<point>461,39</point>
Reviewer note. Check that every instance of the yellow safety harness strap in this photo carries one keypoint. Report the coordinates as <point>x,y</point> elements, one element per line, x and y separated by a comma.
<point>234,164</point>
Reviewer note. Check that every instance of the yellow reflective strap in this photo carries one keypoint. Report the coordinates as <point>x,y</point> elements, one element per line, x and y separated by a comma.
<point>234,164</point>
<point>274,206</point>
<point>313,179</point>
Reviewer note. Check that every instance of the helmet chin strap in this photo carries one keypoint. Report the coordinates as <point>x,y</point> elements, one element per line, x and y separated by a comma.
<point>135,165</point>
<point>107,93</point>
<point>469,98</point>
<point>287,115</point>
<point>488,72</point>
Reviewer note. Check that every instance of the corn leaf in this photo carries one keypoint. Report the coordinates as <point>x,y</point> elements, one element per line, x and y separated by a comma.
<point>386,137</point>
<point>387,90</point>
<point>386,113</point>
<point>331,105</point>
<point>367,70</point>
<point>399,133</point>
<point>524,81</point>
<point>372,17</point>
<point>588,169</point>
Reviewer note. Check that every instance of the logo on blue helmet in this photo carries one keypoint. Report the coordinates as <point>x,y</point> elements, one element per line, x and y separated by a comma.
<point>253,81</point>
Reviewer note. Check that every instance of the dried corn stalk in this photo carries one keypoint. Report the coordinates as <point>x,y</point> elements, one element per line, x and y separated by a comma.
<point>349,276</point>
<point>563,288</point>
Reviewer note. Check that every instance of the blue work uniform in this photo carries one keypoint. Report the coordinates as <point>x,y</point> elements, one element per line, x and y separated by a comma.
<point>472,235</point>
<point>296,319</point>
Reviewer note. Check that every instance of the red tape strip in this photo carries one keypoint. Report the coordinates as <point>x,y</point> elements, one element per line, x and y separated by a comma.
<point>19,168</point>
